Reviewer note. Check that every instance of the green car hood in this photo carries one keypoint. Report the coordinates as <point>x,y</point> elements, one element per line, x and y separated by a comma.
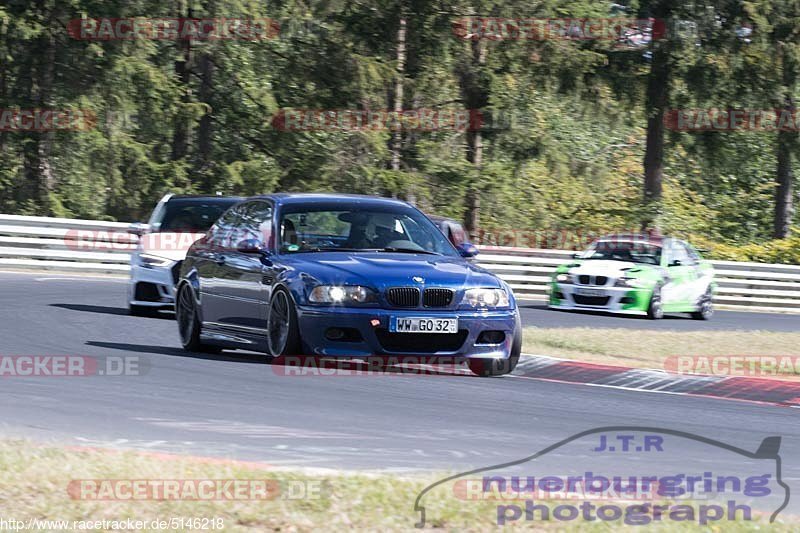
<point>611,269</point>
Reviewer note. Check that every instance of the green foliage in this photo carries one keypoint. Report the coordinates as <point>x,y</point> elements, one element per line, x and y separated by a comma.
<point>564,123</point>
<point>785,251</point>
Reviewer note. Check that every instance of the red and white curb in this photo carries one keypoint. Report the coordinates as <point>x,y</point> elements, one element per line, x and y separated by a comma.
<point>759,390</point>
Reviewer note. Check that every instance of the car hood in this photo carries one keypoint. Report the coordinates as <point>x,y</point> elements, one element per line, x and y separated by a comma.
<point>382,270</point>
<point>603,267</point>
<point>168,244</point>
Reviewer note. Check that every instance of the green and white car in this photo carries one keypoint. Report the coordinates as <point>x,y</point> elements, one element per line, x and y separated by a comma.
<point>636,275</point>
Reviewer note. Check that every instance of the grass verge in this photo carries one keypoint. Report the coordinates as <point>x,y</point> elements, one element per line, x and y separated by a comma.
<point>35,480</point>
<point>653,349</point>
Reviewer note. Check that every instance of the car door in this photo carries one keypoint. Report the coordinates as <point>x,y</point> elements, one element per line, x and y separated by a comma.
<point>243,274</point>
<point>703,273</point>
<point>213,286</point>
<point>679,290</point>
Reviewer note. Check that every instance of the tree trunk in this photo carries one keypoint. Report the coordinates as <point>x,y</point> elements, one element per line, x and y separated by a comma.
<point>655,105</point>
<point>38,167</point>
<point>4,68</point>
<point>205,128</point>
<point>784,177</point>
<point>786,143</point>
<point>397,135</point>
<point>180,137</point>
<point>476,96</point>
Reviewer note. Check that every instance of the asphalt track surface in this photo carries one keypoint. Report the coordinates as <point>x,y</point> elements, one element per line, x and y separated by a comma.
<point>235,405</point>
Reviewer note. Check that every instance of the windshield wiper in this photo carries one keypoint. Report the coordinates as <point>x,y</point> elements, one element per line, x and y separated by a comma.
<point>408,251</point>
<point>387,249</point>
<point>329,249</point>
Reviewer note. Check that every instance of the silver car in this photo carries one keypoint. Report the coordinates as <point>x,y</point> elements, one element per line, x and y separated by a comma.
<point>176,222</point>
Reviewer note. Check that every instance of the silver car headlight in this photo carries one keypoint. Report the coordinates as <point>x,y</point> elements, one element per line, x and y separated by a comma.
<point>635,283</point>
<point>148,260</point>
<point>485,298</point>
<point>563,278</point>
<point>341,294</point>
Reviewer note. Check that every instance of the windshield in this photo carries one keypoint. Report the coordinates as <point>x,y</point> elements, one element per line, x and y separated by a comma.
<point>311,229</point>
<point>632,251</point>
<point>190,215</point>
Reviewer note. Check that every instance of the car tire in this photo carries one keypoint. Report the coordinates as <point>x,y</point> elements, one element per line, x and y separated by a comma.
<point>142,310</point>
<point>705,309</point>
<point>283,332</point>
<point>497,367</point>
<point>655,310</point>
<point>189,325</point>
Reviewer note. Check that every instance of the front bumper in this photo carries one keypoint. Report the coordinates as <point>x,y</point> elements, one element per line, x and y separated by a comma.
<point>622,300</point>
<point>153,286</point>
<point>314,322</point>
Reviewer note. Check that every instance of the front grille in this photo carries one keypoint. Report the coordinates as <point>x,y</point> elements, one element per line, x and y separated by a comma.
<point>585,279</point>
<point>176,272</point>
<point>590,300</point>
<point>437,297</point>
<point>403,296</point>
<point>421,342</point>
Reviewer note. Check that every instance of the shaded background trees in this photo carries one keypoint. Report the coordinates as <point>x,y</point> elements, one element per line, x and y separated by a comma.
<point>572,134</point>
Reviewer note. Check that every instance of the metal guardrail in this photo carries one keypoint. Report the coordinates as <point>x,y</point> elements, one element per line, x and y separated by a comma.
<point>65,244</point>
<point>97,247</point>
<point>740,285</point>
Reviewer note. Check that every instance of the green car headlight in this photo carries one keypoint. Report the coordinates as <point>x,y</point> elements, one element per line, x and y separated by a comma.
<point>341,294</point>
<point>485,298</point>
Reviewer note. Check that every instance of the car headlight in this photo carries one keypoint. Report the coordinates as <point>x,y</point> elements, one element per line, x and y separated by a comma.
<point>632,282</point>
<point>148,260</point>
<point>485,298</point>
<point>341,294</point>
<point>563,278</point>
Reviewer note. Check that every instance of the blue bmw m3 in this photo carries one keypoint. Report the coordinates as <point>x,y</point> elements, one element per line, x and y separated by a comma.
<point>343,276</point>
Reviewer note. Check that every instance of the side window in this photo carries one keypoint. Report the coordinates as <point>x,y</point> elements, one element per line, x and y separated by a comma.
<point>256,222</point>
<point>221,233</point>
<point>157,216</point>
<point>679,253</point>
<point>693,255</point>
<point>459,236</point>
<point>667,253</point>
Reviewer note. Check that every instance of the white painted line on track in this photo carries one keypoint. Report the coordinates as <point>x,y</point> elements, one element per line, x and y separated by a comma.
<point>75,276</point>
<point>654,391</point>
<point>114,280</point>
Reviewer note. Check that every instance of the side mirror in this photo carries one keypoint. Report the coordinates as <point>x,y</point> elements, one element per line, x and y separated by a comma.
<point>251,246</point>
<point>676,263</point>
<point>576,255</point>
<point>467,249</point>
<point>138,228</point>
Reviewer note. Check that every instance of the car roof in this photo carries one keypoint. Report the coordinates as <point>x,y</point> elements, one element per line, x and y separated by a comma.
<point>439,218</point>
<point>204,197</point>
<point>328,198</point>
<point>645,237</point>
